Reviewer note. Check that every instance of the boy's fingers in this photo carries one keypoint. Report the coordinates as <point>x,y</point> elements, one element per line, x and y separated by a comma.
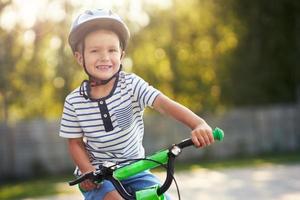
<point>206,139</point>
<point>195,141</point>
<point>201,142</point>
<point>202,138</point>
<point>88,185</point>
<point>211,138</point>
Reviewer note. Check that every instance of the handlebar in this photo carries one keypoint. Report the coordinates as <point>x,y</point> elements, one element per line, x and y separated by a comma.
<point>218,134</point>
<point>159,158</point>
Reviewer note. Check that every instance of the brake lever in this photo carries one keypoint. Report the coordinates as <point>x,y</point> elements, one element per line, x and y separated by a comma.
<point>81,178</point>
<point>93,176</point>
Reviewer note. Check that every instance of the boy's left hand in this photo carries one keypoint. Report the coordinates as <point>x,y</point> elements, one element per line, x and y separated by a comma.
<point>202,135</point>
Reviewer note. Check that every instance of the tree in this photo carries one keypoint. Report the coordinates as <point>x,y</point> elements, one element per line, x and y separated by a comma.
<point>263,67</point>
<point>181,49</point>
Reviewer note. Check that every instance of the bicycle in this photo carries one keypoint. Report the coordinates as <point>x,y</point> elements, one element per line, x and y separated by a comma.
<point>166,158</point>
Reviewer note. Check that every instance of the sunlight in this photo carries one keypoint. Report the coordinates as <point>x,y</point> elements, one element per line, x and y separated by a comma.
<point>134,13</point>
<point>290,196</point>
<point>163,4</point>
<point>8,18</point>
<point>26,13</point>
<point>22,13</point>
<point>262,176</point>
<point>28,37</point>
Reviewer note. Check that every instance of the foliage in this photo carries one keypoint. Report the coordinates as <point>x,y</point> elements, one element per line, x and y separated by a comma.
<point>37,71</point>
<point>211,55</point>
<point>264,67</point>
<point>206,54</point>
<point>180,50</point>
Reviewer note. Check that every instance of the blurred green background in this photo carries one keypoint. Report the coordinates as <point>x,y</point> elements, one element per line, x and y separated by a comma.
<point>209,55</point>
<point>234,62</point>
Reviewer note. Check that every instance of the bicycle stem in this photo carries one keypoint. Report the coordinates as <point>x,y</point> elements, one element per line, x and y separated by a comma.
<point>156,159</point>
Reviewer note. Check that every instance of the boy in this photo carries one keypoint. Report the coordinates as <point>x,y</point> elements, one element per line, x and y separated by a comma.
<point>102,118</point>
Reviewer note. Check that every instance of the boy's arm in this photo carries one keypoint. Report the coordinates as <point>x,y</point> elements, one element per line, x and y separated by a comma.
<point>79,155</point>
<point>201,132</point>
<point>81,159</point>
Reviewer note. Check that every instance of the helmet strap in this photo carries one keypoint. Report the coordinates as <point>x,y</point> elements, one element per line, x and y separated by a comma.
<point>95,82</point>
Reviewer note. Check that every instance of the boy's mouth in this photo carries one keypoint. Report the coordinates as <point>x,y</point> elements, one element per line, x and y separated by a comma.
<point>103,67</point>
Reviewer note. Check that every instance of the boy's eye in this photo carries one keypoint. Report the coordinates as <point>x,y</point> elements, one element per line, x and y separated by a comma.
<point>93,50</point>
<point>113,50</point>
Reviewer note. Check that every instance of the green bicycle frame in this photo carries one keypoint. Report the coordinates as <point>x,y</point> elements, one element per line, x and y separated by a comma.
<point>155,160</point>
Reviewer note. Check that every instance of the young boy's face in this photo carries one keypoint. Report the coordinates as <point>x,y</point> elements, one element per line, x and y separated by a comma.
<point>102,54</point>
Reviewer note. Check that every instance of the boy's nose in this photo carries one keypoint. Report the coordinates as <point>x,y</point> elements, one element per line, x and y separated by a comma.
<point>104,56</point>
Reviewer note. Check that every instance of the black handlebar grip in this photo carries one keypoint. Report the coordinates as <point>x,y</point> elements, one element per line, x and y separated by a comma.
<point>76,181</point>
<point>81,178</point>
<point>185,143</point>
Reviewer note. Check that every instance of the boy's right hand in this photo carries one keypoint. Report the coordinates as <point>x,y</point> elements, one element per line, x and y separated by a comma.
<point>88,185</point>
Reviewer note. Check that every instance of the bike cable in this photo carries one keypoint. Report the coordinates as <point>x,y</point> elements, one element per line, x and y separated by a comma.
<point>161,164</point>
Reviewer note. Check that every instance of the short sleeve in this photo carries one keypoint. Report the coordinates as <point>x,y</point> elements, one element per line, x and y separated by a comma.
<point>69,126</point>
<point>144,93</point>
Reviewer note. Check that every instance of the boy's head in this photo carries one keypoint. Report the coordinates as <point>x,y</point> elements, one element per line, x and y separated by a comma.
<point>93,20</point>
<point>98,39</point>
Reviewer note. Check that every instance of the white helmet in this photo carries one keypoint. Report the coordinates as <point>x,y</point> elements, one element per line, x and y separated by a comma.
<point>97,19</point>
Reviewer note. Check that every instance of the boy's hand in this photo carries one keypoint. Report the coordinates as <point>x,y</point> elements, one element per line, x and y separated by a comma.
<point>202,135</point>
<point>88,185</point>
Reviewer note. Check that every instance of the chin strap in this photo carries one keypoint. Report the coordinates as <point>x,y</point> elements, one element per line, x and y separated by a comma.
<point>95,82</point>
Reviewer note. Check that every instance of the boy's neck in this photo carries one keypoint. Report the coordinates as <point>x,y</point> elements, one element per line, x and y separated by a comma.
<point>101,91</point>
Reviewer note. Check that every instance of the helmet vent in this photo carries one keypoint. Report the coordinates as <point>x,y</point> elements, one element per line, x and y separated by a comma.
<point>88,12</point>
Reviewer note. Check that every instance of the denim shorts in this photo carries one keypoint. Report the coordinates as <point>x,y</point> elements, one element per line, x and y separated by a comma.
<point>132,184</point>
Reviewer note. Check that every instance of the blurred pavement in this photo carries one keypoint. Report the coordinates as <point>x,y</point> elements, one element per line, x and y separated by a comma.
<point>274,182</point>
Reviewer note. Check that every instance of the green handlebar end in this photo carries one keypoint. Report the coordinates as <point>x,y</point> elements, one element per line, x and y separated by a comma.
<point>218,134</point>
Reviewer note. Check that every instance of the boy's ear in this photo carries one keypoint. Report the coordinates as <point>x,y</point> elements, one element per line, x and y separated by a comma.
<point>79,58</point>
<point>122,55</point>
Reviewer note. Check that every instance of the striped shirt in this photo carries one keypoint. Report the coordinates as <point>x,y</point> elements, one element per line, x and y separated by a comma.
<point>112,127</point>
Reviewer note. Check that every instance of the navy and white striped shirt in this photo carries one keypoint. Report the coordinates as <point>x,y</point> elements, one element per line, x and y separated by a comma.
<point>112,127</point>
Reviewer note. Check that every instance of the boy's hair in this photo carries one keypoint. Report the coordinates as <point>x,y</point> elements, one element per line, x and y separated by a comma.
<point>79,46</point>
<point>92,20</point>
